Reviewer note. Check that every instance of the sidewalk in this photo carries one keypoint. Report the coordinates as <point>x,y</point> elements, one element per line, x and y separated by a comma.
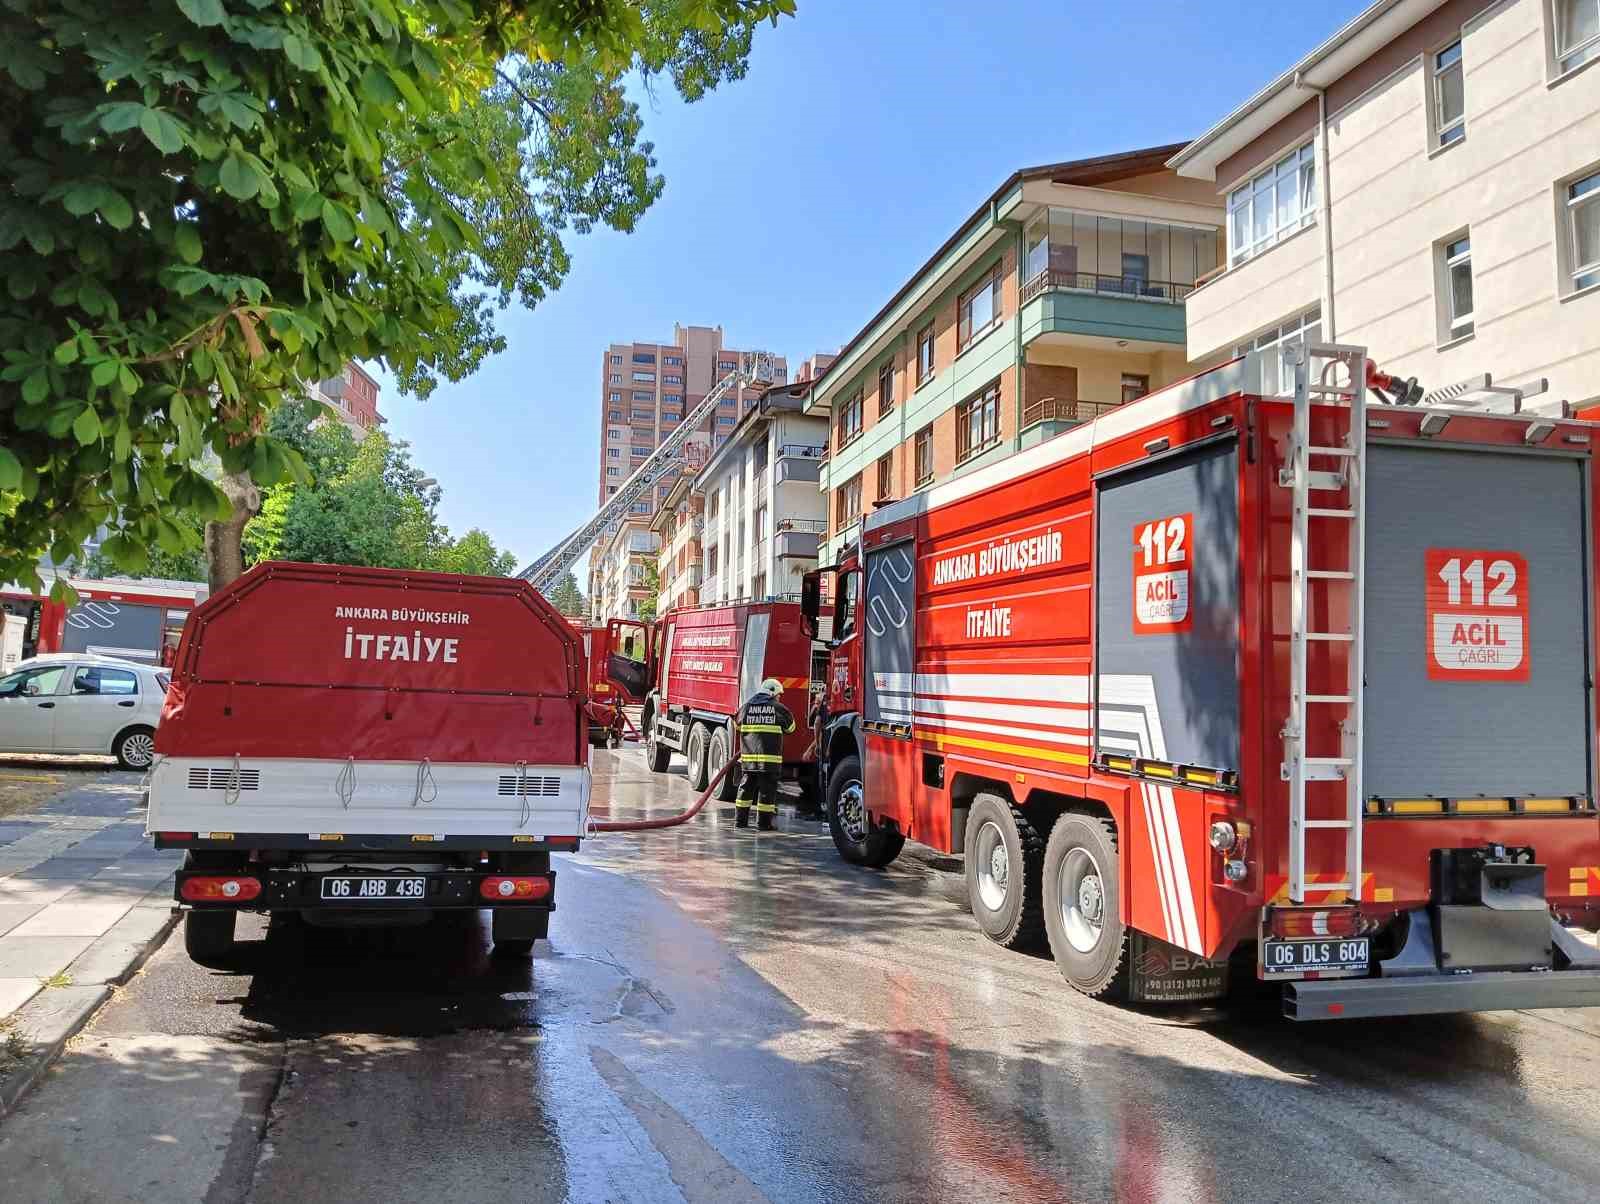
<point>83,899</point>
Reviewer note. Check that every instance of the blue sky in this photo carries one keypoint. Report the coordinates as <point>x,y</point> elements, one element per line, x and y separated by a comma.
<point>800,198</point>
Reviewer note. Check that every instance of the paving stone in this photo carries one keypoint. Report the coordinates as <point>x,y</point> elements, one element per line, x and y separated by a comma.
<point>39,956</point>
<point>72,919</point>
<point>12,914</point>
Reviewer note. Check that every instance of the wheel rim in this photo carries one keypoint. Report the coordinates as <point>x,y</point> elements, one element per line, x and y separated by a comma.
<point>697,746</point>
<point>853,811</point>
<point>993,866</point>
<point>139,749</point>
<point>1082,894</point>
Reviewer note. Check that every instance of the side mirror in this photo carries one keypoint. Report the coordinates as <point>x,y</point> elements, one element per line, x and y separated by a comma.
<point>810,603</point>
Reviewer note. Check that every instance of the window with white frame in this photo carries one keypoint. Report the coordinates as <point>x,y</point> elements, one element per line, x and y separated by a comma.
<point>1582,215</point>
<point>1273,205</point>
<point>1279,343</point>
<point>614,453</point>
<point>1455,307</point>
<point>1576,25</point>
<point>1449,96</point>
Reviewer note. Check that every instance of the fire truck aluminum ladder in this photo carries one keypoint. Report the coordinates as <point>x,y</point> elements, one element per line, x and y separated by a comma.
<point>1326,374</point>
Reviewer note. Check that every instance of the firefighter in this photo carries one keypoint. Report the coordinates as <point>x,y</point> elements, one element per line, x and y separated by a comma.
<point>763,722</point>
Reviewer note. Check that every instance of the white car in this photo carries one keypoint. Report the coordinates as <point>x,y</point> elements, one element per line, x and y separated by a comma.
<point>72,703</point>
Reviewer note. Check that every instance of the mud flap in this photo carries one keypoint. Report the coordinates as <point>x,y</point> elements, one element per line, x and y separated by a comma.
<point>1163,973</point>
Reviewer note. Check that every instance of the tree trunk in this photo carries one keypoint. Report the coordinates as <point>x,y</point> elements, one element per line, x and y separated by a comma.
<point>224,541</point>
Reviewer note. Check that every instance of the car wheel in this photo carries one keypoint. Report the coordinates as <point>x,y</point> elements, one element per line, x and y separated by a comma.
<point>135,748</point>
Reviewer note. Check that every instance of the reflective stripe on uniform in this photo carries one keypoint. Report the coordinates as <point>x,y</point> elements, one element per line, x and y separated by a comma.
<point>761,758</point>
<point>764,727</point>
<point>766,808</point>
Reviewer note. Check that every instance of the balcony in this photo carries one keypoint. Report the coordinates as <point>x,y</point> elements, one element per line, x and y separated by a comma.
<point>1111,277</point>
<point>799,538</point>
<point>799,462</point>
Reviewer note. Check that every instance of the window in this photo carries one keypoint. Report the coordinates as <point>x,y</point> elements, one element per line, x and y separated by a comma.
<point>641,508</point>
<point>724,420</point>
<point>1274,205</point>
<point>1582,202</point>
<point>848,423</point>
<point>644,378</point>
<point>672,379</point>
<point>672,361</point>
<point>727,365</point>
<point>32,683</point>
<point>885,388</point>
<point>885,477</point>
<point>1577,27</point>
<point>613,453</point>
<point>847,502</point>
<point>1449,97</point>
<point>644,357</point>
<point>673,398</point>
<point>614,415</point>
<point>1277,368</point>
<point>978,309</point>
<point>671,416</point>
<point>613,471</point>
<point>978,423</point>
<point>616,359</point>
<point>616,397</point>
<point>644,415</point>
<point>612,489</point>
<point>616,378</point>
<point>1134,387</point>
<point>923,447</point>
<point>92,679</point>
<point>639,451</point>
<point>1456,255</point>
<point>925,353</point>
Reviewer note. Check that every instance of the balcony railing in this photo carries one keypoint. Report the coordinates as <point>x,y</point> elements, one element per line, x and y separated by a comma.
<point>814,525</point>
<point>1052,280</point>
<point>1049,409</point>
<point>805,451</point>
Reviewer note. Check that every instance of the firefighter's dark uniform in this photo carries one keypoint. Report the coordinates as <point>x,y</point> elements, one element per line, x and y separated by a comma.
<point>763,723</point>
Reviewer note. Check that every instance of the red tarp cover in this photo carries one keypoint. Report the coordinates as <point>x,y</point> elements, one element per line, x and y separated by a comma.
<point>326,661</point>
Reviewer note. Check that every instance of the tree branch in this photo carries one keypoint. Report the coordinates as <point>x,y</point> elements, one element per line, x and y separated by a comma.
<point>525,98</point>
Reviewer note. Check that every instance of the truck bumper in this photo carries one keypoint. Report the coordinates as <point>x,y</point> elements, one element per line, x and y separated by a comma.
<point>301,890</point>
<point>1483,991</point>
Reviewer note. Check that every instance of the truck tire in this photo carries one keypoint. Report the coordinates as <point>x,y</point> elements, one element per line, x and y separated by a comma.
<point>858,839</point>
<point>694,752</point>
<point>514,932</point>
<point>721,751</point>
<point>657,756</point>
<point>1082,897</point>
<point>208,937</point>
<point>1005,855</point>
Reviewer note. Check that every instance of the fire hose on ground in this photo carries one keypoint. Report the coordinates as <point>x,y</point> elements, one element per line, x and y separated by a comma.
<point>669,821</point>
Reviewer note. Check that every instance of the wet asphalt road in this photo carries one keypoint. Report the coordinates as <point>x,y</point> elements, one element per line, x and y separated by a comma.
<point>722,1016</point>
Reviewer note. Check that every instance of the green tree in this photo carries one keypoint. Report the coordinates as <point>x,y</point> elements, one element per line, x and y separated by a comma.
<point>651,605</point>
<point>475,553</point>
<point>206,202</point>
<point>186,565</point>
<point>568,598</point>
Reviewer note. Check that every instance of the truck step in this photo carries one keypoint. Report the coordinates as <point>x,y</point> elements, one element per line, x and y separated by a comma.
<point>1330,574</point>
<point>1331,698</point>
<point>1329,823</point>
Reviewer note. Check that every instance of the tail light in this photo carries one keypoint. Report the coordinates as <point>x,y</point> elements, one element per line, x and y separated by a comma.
<point>518,889</point>
<point>220,888</point>
<point>1306,921</point>
<point>174,835</point>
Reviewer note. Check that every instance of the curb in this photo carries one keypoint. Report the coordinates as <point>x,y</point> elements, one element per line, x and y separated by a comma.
<point>57,1014</point>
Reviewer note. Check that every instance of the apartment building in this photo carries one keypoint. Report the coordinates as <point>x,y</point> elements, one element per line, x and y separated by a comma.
<point>353,396</point>
<point>619,577</point>
<point>679,524</point>
<point>1425,183</point>
<point>764,516</point>
<point>1062,296</point>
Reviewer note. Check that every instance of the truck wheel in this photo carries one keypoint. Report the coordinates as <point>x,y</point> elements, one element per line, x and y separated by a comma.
<point>657,756</point>
<point>1082,906</point>
<point>208,937</point>
<point>694,752</point>
<point>1004,856</point>
<point>135,748</point>
<point>721,751</point>
<point>858,839</point>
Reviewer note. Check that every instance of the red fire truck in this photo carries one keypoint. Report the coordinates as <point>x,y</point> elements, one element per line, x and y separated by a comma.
<point>1299,684</point>
<point>604,706</point>
<point>699,665</point>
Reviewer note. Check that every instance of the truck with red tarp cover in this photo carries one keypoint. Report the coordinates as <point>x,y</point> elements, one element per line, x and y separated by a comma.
<point>1301,686</point>
<point>700,665</point>
<point>371,745</point>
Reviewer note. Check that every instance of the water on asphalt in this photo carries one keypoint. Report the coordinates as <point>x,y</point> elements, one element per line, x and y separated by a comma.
<point>721,1015</point>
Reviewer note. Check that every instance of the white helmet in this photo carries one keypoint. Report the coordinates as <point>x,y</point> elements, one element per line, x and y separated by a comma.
<point>772,686</point>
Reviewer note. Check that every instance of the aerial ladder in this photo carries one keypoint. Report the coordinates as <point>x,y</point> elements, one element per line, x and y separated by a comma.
<point>755,369</point>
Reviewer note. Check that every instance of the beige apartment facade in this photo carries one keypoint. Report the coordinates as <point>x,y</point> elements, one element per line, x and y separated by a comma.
<point>1063,296</point>
<point>1425,183</point>
<point>680,524</point>
<point>619,578</point>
